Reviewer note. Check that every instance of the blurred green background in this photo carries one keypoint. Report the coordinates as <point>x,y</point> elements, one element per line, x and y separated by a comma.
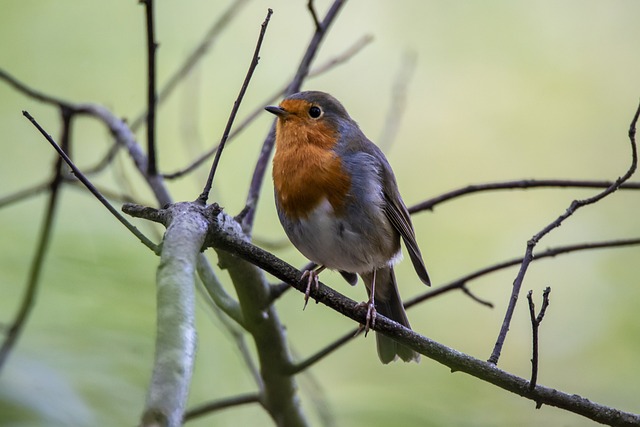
<point>501,90</point>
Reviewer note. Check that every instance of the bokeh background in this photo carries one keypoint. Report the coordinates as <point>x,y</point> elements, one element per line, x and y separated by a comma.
<point>501,90</point>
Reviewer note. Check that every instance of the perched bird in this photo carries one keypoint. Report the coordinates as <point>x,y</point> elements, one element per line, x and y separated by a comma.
<point>339,204</point>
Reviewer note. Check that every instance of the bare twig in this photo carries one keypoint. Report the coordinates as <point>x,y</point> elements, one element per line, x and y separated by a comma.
<point>152,46</point>
<point>148,243</point>
<point>24,194</point>
<point>325,351</point>
<point>535,324</point>
<point>455,360</point>
<point>474,297</point>
<point>294,86</point>
<point>28,301</point>
<point>549,253</point>
<point>229,402</point>
<point>236,105</point>
<point>314,15</point>
<point>531,244</point>
<point>522,184</point>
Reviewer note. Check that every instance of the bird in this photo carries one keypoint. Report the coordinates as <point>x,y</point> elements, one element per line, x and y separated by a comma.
<point>338,201</point>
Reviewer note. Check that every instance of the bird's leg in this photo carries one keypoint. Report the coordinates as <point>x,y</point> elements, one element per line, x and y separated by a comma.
<point>371,307</point>
<point>312,277</point>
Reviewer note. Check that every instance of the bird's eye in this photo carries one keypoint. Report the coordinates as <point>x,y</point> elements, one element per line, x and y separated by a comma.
<point>315,112</point>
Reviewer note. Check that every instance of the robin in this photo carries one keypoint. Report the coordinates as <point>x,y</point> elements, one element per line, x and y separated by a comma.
<point>339,204</point>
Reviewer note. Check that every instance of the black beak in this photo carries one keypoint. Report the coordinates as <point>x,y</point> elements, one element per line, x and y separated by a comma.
<point>278,111</point>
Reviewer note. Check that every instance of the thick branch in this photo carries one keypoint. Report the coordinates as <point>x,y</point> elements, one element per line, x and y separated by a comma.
<point>176,334</point>
<point>261,320</point>
<point>221,238</point>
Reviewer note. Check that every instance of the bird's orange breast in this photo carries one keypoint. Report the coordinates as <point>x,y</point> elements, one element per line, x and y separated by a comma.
<point>306,170</point>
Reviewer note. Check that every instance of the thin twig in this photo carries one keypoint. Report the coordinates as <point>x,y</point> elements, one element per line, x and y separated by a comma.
<point>152,46</point>
<point>324,352</point>
<point>236,105</point>
<point>294,86</point>
<point>522,184</point>
<point>24,194</point>
<point>16,327</point>
<point>217,405</point>
<point>148,243</point>
<point>314,15</point>
<point>531,244</point>
<point>535,325</point>
<point>549,253</point>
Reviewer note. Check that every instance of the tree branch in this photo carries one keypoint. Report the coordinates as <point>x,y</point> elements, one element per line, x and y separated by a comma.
<point>217,405</point>
<point>148,243</point>
<point>535,325</point>
<point>176,334</point>
<point>222,238</point>
<point>531,244</point>
<point>152,46</point>
<point>522,184</point>
<point>202,199</point>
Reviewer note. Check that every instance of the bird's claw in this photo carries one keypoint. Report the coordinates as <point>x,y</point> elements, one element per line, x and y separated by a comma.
<point>371,316</point>
<point>312,277</point>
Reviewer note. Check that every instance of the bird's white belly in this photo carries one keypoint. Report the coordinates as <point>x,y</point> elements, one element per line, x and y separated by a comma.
<point>331,241</point>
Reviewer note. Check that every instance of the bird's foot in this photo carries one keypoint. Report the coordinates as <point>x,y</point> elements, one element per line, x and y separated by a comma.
<point>371,315</point>
<point>312,278</point>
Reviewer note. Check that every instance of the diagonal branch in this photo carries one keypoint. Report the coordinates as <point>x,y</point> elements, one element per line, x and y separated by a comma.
<point>148,243</point>
<point>202,199</point>
<point>223,239</point>
<point>531,244</point>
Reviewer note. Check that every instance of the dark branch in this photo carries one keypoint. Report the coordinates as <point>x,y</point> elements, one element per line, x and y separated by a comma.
<point>236,105</point>
<point>456,361</point>
<point>314,15</point>
<point>148,243</point>
<point>152,46</point>
<point>531,244</point>
<point>549,253</point>
<point>516,185</point>
<point>228,402</point>
<point>535,325</point>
